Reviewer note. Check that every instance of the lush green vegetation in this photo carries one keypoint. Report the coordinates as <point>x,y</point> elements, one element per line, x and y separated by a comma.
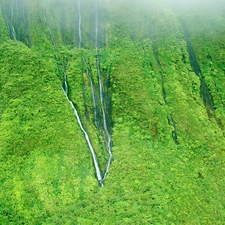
<point>168,143</point>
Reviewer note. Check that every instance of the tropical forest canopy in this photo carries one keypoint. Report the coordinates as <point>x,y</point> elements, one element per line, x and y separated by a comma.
<point>143,81</point>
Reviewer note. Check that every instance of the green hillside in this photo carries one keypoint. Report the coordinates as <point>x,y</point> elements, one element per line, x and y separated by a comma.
<point>146,79</point>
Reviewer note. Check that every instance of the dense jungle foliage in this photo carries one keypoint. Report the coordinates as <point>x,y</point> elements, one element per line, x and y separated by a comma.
<point>163,69</point>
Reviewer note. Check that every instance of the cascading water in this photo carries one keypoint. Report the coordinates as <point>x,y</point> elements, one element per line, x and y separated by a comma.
<point>107,136</point>
<point>17,21</point>
<point>6,19</point>
<point>94,98</point>
<point>65,90</point>
<point>95,160</point>
<point>99,103</point>
<point>49,30</point>
<point>13,32</point>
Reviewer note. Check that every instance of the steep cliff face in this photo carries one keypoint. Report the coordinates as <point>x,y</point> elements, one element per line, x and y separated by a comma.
<point>128,92</point>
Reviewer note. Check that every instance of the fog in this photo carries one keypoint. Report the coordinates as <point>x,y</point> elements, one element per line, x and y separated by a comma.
<point>85,19</point>
<point>202,7</point>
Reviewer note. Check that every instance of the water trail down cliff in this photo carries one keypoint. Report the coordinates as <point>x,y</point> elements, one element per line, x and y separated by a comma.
<point>13,32</point>
<point>94,98</point>
<point>100,103</point>
<point>95,160</point>
<point>17,21</point>
<point>79,24</point>
<point>107,136</point>
<point>66,92</point>
<point>49,30</point>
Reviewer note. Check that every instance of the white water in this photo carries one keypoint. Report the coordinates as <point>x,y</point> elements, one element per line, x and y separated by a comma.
<point>93,93</point>
<point>12,27</point>
<point>107,136</point>
<point>49,30</point>
<point>79,24</point>
<point>65,90</point>
<point>95,160</point>
<point>7,23</point>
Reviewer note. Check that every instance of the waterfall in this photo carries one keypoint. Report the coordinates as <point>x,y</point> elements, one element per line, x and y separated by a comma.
<point>49,30</point>
<point>11,24</point>
<point>65,90</point>
<point>79,25</point>
<point>94,98</point>
<point>107,136</point>
<point>17,25</point>
<point>95,160</point>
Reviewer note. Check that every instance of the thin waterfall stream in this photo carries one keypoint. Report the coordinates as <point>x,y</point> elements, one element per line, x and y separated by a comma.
<point>106,134</point>
<point>8,21</point>
<point>49,30</point>
<point>94,98</point>
<point>11,24</point>
<point>95,160</point>
<point>100,101</point>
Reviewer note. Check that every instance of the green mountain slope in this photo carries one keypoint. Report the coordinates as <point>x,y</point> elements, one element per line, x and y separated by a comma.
<point>162,74</point>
